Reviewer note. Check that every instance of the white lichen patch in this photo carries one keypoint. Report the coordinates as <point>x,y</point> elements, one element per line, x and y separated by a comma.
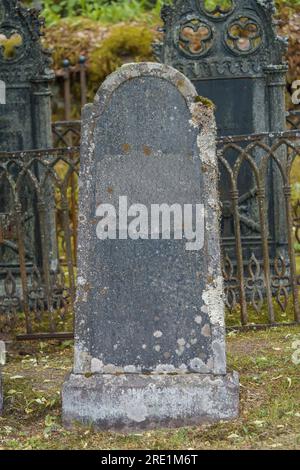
<point>179,352</point>
<point>136,411</point>
<point>157,334</point>
<point>130,369</point>
<point>165,369</point>
<point>198,319</point>
<point>213,300</point>
<point>198,365</point>
<point>96,366</point>
<point>81,281</point>
<point>82,359</point>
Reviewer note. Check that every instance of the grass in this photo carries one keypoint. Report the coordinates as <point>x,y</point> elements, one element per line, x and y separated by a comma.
<point>270,401</point>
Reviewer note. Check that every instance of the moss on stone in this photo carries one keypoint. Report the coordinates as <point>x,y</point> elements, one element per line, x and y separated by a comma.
<point>205,101</point>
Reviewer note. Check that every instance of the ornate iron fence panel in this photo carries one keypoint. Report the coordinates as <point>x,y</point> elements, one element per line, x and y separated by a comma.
<point>38,297</point>
<point>261,284</point>
<point>260,281</point>
<point>66,133</point>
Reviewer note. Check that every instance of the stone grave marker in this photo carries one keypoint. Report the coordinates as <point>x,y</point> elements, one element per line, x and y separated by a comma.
<point>149,347</point>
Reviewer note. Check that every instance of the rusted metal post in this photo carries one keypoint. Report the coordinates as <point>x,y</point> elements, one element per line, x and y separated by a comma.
<point>83,82</point>
<point>67,89</point>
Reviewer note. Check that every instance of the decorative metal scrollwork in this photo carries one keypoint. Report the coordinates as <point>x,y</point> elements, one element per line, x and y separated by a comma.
<point>255,284</point>
<point>244,35</point>
<point>195,37</point>
<point>281,282</point>
<point>9,302</point>
<point>217,9</point>
<point>231,285</point>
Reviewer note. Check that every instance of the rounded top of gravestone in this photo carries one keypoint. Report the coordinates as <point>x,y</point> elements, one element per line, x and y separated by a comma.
<point>201,109</point>
<point>146,69</point>
<point>153,69</point>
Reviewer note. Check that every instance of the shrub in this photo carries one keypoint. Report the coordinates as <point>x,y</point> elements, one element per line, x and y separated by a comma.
<point>130,43</point>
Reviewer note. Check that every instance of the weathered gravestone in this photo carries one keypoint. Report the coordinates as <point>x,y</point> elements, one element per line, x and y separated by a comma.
<point>150,345</point>
<point>232,54</point>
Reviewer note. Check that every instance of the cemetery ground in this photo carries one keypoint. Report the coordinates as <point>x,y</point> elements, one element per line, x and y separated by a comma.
<point>270,401</point>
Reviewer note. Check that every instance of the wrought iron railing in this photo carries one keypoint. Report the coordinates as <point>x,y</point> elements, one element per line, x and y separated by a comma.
<point>261,282</point>
<point>293,120</point>
<point>66,133</point>
<point>37,285</point>
<point>37,263</point>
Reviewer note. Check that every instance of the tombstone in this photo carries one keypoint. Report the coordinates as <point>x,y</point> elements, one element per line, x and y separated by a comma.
<point>25,124</point>
<point>149,347</point>
<point>233,56</point>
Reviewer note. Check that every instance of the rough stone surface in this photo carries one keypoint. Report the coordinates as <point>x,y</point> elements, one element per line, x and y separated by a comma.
<point>130,402</point>
<point>147,306</point>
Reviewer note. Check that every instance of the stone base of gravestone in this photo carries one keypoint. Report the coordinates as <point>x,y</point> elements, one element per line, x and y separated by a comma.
<point>136,402</point>
<point>150,332</point>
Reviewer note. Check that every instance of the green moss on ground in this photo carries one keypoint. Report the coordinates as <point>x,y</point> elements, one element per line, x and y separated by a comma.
<point>270,401</point>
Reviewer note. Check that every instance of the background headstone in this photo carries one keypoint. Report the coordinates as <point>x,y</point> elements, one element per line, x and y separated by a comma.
<point>25,124</point>
<point>149,347</point>
<point>233,56</point>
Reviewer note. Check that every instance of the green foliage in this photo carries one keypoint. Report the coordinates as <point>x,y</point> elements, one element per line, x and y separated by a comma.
<point>113,11</point>
<point>105,11</point>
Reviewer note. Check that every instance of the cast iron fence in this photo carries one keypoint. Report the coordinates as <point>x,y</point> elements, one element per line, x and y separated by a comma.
<point>37,284</point>
<point>37,295</point>
<point>293,120</point>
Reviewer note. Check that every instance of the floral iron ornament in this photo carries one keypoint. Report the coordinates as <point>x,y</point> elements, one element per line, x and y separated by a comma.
<point>195,37</point>
<point>10,44</point>
<point>244,35</point>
